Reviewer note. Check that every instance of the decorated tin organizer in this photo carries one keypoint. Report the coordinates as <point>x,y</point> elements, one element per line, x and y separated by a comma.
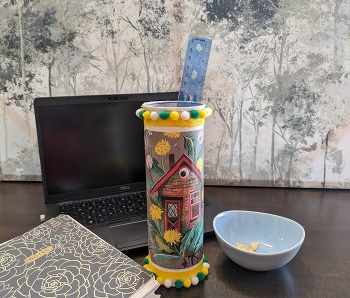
<point>174,173</point>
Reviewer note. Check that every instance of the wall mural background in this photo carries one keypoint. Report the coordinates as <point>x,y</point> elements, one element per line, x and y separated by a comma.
<point>278,78</point>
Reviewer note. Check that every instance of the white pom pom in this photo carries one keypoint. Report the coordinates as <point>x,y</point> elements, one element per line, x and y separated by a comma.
<point>206,265</point>
<point>208,111</point>
<point>185,115</point>
<point>167,283</point>
<point>154,115</point>
<point>194,280</point>
<point>137,112</point>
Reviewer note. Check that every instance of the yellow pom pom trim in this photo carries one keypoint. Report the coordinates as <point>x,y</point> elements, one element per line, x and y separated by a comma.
<point>174,278</point>
<point>202,114</point>
<point>205,271</point>
<point>160,280</point>
<point>147,115</point>
<point>187,283</point>
<point>146,266</point>
<point>174,116</point>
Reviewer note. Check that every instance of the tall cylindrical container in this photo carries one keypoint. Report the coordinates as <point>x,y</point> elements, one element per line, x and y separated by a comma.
<point>175,191</point>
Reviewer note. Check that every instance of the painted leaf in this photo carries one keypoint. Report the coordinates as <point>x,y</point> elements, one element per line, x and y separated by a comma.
<point>156,201</point>
<point>155,248</point>
<point>198,240</point>
<point>154,226</point>
<point>193,240</point>
<point>156,169</point>
<point>161,227</point>
<point>149,184</point>
<point>200,153</point>
<point>189,144</point>
<point>162,257</point>
<point>161,244</point>
<point>154,234</point>
<point>186,242</point>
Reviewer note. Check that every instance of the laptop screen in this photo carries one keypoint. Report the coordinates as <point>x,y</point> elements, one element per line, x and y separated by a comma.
<point>91,145</point>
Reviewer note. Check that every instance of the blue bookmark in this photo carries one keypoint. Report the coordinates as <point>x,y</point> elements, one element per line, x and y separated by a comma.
<point>194,70</point>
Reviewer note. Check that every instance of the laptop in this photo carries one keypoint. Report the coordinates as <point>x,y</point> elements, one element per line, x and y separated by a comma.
<point>92,158</point>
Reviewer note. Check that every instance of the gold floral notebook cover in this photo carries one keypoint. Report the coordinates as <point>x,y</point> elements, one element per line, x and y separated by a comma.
<point>61,258</point>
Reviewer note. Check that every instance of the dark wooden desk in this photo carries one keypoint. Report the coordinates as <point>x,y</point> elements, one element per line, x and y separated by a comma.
<point>320,269</point>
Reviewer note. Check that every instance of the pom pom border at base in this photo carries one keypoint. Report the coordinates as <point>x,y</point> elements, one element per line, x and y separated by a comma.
<point>181,283</point>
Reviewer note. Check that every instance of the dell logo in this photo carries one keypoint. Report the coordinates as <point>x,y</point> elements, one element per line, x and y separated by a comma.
<point>125,187</point>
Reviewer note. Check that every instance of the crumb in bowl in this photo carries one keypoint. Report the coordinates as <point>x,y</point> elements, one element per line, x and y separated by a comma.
<point>253,246</point>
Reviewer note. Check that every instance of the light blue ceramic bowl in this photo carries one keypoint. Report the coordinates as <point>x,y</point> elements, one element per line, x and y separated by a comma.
<point>279,238</point>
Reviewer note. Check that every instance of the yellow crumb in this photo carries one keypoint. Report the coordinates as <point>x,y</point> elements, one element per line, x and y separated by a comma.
<point>242,246</point>
<point>254,245</point>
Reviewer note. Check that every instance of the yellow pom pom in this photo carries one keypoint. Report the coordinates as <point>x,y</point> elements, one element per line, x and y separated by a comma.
<point>174,116</point>
<point>147,115</point>
<point>146,266</point>
<point>202,114</point>
<point>205,271</point>
<point>160,280</point>
<point>187,283</point>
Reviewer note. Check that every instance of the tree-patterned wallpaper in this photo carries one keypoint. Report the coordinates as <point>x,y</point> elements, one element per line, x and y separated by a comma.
<point>278,78</point>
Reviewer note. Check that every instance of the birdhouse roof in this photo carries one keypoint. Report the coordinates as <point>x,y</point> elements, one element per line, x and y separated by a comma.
<point>183,160</point>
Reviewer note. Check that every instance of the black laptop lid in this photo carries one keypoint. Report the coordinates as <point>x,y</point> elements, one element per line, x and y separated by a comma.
<point>91,145</point>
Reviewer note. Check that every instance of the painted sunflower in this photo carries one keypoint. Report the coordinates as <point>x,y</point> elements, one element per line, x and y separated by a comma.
<point>172,236</point>
<point>156,212</point>
<point>162,147</point>
<point>199,164</point>
<point>172,135</point>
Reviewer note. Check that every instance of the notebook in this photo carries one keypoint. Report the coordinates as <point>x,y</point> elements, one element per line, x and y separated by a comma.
<point>61,258</point>
<point>91,152</point>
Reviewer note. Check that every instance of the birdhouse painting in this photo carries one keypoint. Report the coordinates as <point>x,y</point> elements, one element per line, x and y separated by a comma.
<point>181,186</point>
<point>174,166</point>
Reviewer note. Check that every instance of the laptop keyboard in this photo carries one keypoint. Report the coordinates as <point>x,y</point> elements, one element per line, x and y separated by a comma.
<point>101,211</point>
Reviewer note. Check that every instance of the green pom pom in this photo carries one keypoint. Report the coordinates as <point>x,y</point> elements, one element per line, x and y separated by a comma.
<point>145,261</point>
<point>141,114</point>
<point>194,114</point>
<point>205,259</point>
<point>178,284</point>
<point>200,276</point>
<point>164,115</point>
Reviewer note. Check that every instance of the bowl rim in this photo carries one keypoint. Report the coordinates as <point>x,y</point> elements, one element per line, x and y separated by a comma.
<point>298,244</point>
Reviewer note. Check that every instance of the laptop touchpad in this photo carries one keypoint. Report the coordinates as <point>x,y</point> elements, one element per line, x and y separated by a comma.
<point>130,235</point>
